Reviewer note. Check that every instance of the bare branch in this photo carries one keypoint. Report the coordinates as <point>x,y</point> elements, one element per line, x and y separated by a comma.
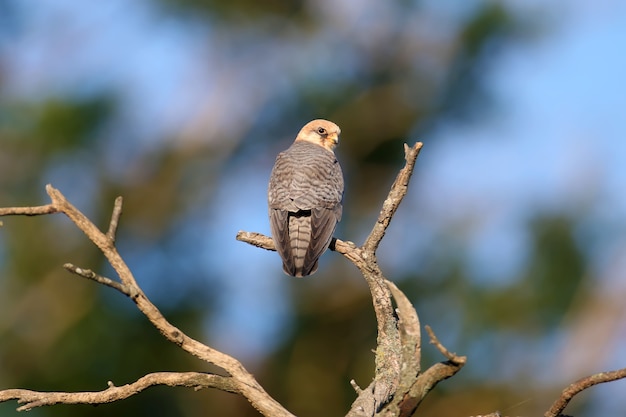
<point>582,384</point>
<point>452,357</point>
<point>256,239</point>
<point>426,381</point>
<point>387,362</point>
<point>346,248</point>
<point>393,200</point>
<point>28,211</point>
<point>246,384</point>
<point>89,274</point>
<point>197,380</point>
<point>115,218</point>
<point>391,350</point>
<point>356,387</point>
<point>94,234</point>
<point>389,353</point>
<point>410,335</point>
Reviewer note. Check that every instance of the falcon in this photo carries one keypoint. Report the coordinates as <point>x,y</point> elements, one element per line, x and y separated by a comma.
<point>304,197</point>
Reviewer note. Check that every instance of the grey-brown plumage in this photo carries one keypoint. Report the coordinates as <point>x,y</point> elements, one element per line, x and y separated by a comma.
<point>304,196</point>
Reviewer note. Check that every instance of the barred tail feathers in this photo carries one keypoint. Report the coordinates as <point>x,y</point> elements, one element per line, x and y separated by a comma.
<point>299,236</point>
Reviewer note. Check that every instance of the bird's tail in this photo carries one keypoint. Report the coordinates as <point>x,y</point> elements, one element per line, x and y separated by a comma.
<point>300,234</point>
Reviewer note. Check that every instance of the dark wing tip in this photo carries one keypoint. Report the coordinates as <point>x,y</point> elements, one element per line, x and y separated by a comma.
<point>290,270</point>
<point>310,269</point>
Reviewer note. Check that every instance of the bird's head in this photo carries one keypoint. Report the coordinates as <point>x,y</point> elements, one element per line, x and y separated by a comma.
<point>321,132</point>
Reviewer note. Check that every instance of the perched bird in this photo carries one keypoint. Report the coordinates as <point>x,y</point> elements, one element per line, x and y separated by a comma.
<point>304,197</point>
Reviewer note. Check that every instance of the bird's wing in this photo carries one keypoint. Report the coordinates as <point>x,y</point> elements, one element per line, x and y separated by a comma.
<point>279,224</point>
<point>323,223</point>
<point>325,215</point>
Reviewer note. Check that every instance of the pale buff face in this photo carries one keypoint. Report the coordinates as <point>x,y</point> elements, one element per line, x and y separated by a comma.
<point>321,132</point>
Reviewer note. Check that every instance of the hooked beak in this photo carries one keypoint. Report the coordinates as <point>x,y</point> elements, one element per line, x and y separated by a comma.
<point>334,139</point>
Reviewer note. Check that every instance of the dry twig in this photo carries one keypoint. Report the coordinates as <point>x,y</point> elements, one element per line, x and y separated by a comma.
<point>197,380</point>
<point>582,384</point>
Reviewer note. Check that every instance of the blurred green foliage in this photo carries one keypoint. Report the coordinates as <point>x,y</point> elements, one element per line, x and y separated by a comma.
<point>62,126</point>
<point>238,10</point>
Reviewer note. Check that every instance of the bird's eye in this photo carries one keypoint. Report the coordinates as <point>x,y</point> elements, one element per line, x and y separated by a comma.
<point>321,130</point>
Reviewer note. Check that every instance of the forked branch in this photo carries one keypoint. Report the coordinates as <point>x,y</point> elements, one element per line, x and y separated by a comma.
<point>237,378</point>
<point>397,387</point>
<point>197,380</point>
